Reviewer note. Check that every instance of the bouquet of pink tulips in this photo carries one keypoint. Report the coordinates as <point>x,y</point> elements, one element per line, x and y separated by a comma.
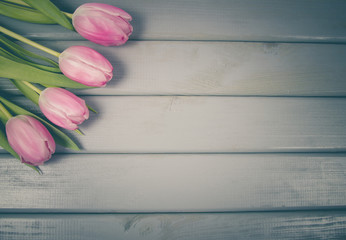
<point>25,135</point>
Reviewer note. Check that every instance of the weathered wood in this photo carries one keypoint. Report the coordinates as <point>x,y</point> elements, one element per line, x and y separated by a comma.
<point>243,226</point>
<point>208,153</point>
<point>245,20</point>
<point>220,68</point>
<point>185,124</point>
<point>174,183</point>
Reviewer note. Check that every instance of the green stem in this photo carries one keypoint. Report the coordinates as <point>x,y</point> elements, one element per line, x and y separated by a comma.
<point>68,14</point>
<point>28,41</point>
<point>79,131</point>
<point>32,87</point>
<point>5,112</point>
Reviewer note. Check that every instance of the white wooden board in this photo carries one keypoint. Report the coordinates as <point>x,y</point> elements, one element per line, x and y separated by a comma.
<point>220,20</point>
<point>174,183</point>
<point>185,124</point>
<point>270,226</point>
<point>217,106</point>
<point>219,68</point>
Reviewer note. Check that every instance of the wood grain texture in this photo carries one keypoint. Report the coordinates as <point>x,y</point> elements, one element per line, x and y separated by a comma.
<point>174,183</point>
<point>219,68</point>
<point>252,119</point>
<point>267,226</point>
<point>186,124</point>
<point>221,20</point>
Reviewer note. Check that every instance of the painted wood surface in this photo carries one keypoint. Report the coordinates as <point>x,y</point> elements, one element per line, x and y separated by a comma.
<point>242,226</point>
<point>218,106</point>
<point>218,20</point>
<point>175,183</point>
<point>219,68</point>
<point>196,124</point>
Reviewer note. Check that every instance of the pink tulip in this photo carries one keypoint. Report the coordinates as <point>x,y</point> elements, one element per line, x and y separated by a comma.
<point>86,66</point>
<point>30,139</point>
<point>102,23</point>
<point>63,108</point>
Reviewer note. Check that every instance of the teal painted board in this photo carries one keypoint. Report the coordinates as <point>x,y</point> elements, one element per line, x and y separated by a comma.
<point>313,225</point>
<point>220,20</point>
<point>219,68</point>
<point>106,183</point>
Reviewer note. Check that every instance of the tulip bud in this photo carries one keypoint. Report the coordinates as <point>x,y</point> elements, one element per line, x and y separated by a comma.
<point>102,23</point>
<point>86,66</point>
<point>63,108</point>
<point>30,139</point>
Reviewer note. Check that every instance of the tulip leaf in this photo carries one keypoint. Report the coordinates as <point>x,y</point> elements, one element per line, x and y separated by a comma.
<point>60,137</point>
<point>15,58</point>
<point>50,10</point>
<point>26,54</point>
<point>27,91</point>
<point>24,13</point>
<point>19,71</point>
<point>9,55</point>
<point>91,109</point>
<point>3,117</point>
<point>5,145</point>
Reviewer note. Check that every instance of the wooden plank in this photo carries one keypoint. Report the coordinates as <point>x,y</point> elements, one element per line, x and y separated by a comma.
<point>220,68</point>
<point>174,183</point>
<point>245,20</point>
<point>272,225</point>
<point>181,124</point>
<point>184,124</point>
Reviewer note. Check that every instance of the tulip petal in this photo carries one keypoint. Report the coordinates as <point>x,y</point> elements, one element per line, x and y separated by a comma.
<point>30,139</point>
<point>63,108</point>
<point>59,136</point>
<point>14,70</point>
<point>85,65</point>
<point>111,10</point>
<point>102,23</point>
<point>5,145</point>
